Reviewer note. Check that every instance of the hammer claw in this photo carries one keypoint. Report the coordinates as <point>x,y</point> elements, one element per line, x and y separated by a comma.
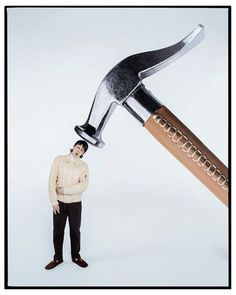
<point>154,61</point>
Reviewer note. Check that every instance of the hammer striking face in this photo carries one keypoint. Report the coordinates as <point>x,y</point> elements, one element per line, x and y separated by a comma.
<point>123,86</point>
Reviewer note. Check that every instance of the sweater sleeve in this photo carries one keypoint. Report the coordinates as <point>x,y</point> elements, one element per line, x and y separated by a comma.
<point>52,183</point>
<point>79,187</point>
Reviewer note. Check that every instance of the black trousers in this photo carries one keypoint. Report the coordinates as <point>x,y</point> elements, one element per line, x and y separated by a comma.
<point>73,212</point>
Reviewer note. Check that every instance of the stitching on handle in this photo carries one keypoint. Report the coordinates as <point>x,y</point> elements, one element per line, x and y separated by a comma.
<point>195,154</point>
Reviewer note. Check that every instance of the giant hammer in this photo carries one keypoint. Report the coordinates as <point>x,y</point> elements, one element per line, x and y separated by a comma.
<point>123,86</point>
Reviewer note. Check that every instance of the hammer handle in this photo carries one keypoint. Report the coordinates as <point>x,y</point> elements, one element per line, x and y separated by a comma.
<point>190,151</point>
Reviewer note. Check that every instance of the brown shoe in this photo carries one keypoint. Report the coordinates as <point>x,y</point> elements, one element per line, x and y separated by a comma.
<point>53,263</point>
<point>79,261</point>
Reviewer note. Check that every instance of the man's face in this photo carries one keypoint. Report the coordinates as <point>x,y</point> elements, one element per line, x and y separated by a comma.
<point>78,150</point>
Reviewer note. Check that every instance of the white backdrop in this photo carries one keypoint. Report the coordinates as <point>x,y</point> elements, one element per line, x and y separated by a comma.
<point>146,220</point>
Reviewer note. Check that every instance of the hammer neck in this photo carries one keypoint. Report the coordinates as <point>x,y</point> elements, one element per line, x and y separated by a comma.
<point>142,104</point>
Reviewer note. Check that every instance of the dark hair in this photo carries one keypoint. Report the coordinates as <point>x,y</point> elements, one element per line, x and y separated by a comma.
<point>83,143</point>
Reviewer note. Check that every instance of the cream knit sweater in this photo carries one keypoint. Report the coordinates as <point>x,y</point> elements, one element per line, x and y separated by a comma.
<point>72,175</point>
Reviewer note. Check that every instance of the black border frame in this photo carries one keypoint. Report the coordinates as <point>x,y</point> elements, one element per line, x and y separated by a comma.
<point>6,286</point>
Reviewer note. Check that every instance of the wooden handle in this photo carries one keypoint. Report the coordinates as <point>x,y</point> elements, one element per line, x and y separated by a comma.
<point>190,151</point>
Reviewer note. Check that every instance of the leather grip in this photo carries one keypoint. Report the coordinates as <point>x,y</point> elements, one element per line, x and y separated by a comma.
<point>190,151</point>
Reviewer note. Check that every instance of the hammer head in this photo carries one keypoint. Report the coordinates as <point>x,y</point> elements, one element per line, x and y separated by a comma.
<point>122,81</point>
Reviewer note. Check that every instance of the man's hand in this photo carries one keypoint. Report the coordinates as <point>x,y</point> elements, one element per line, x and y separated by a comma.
<point>56,209</point>
<point>59,190</point>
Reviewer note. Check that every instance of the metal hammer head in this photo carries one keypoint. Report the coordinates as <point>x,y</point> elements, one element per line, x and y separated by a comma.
<point>125,78</point>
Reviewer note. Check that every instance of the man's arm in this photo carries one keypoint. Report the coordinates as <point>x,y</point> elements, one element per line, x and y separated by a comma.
<point>52,183</point>
<point>80,187</point>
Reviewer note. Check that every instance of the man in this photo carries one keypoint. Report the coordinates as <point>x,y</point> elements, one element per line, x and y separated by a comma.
<point>67,181</point>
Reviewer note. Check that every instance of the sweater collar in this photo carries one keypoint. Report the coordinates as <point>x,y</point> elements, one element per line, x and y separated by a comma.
<point>71,158</point>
